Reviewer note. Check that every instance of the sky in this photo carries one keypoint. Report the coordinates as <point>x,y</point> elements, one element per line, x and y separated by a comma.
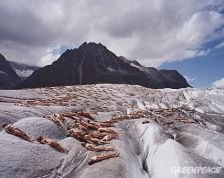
<point>202,71</point>
<point>178,34</point>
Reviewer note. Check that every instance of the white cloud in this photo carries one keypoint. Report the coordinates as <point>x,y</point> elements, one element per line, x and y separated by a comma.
<point>220,45</point>
<point>149,31</point>
<point>219,83</point>
<point>189,79</point>
<point>199,26</point>
<point>48,58</point>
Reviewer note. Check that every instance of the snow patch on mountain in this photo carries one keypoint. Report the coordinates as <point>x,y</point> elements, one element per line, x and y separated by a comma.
<point>23,73</point>
<point>2,72</point>
<point>23,70</point>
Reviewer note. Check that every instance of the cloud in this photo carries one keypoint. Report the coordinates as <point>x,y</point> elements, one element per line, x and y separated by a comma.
<point>219,83</point>
<point>150,31</point>
<point>48,59</point>
<point>190,79</point>
<point>220,45</point>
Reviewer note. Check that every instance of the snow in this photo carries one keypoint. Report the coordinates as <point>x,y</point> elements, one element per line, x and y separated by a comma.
<point>23,73</point>
<point>204,142</point>
<point>169,152</point>
<point>140,105</point>
<point>2,72</point>
<point>219,83</point>
<point>134,65</point>
<point>146,150</point>
<point>110,69</point>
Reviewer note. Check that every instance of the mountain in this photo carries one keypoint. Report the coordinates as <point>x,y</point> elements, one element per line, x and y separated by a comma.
<point>133,63</point>
<point>167,78</point>
<point>8,76</point>
<point>23,70</point>
<point>93,63</point>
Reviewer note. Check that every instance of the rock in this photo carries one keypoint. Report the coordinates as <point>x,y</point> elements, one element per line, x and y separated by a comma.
<point>8,77</point>
<point>93,63</point>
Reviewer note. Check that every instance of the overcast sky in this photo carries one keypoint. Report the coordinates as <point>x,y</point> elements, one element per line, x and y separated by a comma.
<point>151,31</point>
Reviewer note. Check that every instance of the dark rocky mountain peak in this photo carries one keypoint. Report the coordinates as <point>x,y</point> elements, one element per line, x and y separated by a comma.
<point>93,63</point>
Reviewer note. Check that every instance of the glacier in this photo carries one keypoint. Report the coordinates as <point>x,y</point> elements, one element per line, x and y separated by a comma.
<point>184,129</point>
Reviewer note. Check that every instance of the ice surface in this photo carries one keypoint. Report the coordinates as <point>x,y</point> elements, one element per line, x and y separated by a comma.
<point>185,129</point>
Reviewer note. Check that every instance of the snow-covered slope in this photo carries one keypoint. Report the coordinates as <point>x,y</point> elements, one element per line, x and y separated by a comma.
<point>23,70</point>
<point>163,133</point>
<point>23,73</point>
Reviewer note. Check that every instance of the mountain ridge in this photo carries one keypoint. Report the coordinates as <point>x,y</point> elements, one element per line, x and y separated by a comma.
<point>93,63</point>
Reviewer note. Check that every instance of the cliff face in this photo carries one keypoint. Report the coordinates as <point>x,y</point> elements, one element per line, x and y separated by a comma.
<point>93,63</point>
<point>8,76</point>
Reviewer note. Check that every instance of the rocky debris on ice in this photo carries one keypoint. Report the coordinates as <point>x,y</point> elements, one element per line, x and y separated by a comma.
<point>158,131</point>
